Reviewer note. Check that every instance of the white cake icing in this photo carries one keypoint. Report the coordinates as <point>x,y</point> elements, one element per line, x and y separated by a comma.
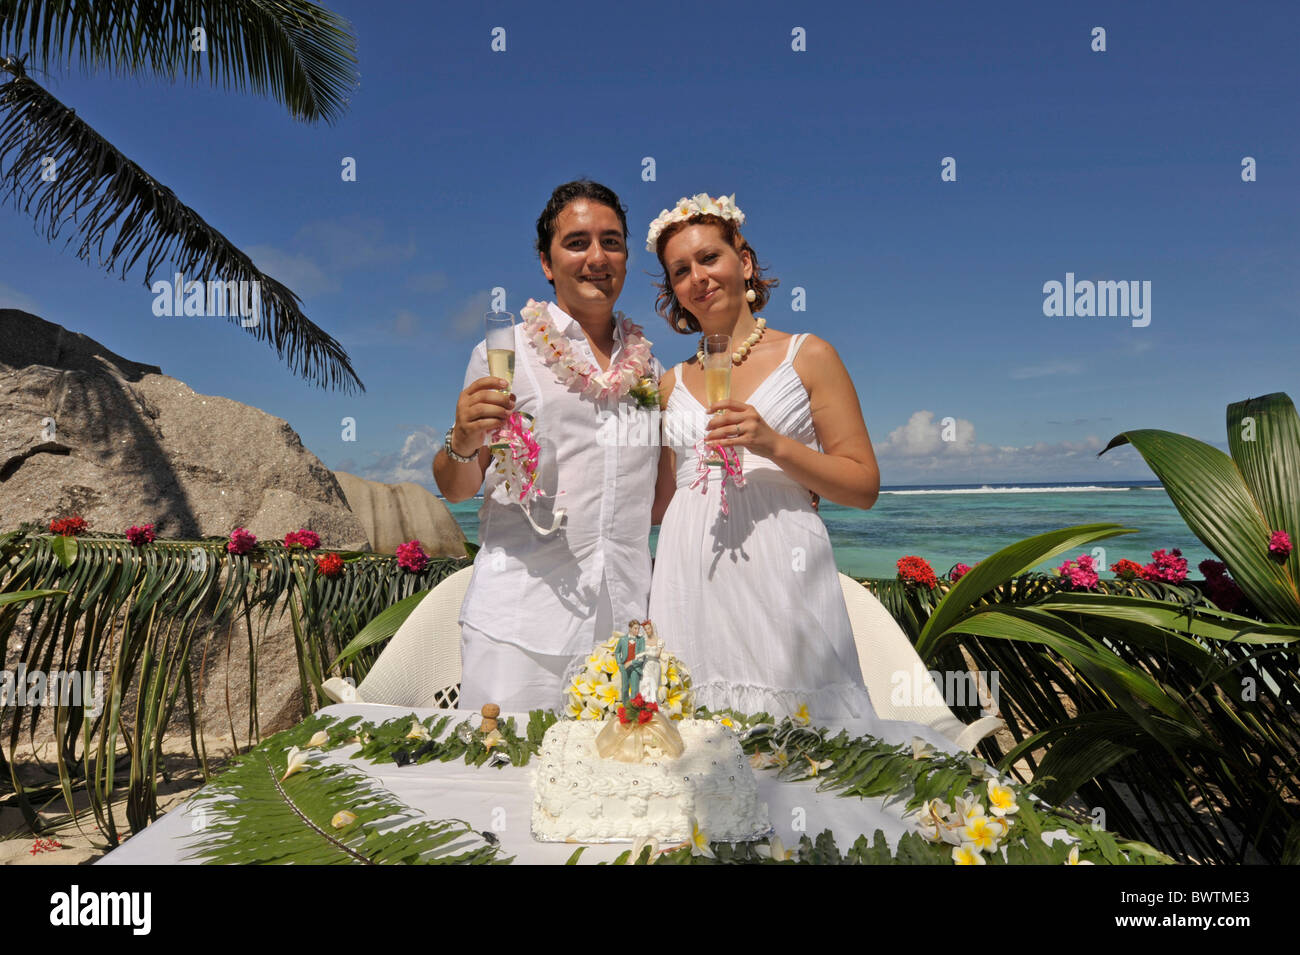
<point>580,797</point>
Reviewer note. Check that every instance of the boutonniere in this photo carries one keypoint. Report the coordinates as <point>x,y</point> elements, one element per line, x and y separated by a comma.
<point>646,392</point>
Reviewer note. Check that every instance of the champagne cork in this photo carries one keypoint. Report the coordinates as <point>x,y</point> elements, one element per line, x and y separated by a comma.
<point>490,713</point>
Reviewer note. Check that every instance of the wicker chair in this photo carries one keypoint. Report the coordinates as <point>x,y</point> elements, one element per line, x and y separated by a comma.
<point>886,655</point>
<point>421,664</point>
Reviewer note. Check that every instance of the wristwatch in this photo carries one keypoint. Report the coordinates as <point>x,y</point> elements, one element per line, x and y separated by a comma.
<point>451,452</point>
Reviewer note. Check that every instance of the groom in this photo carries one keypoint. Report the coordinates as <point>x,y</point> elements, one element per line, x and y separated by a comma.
<point>535,602</point>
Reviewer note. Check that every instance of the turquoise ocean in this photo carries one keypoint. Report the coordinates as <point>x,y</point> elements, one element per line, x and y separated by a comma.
<point>965,523</point>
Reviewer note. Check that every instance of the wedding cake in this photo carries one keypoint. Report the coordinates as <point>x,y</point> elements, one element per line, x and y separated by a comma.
<point>626,764</point>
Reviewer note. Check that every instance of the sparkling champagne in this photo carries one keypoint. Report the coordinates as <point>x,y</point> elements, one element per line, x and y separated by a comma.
<point>501,364</point>
<point>717,383</point>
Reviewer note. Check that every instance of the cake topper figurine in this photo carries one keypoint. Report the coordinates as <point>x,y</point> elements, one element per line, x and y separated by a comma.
<point>652,671</point>
<point>640,729</point>
<point>628,653</point>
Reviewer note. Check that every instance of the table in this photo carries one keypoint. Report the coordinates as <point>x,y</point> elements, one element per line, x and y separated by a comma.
<point>500,800</point>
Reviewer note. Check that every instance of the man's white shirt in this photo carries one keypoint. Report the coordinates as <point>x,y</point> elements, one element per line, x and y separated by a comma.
<point>599,463</point>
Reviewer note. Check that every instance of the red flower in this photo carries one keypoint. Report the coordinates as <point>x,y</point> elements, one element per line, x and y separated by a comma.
<point>916,570</point>
<point>68,526</point>
<point>644,711</point>
<point>958,572</point>
<point>139,536</point>
<point>241,541</point>
<point>308,540</point>
<point>411,557</point>
<point>1125,569</point>
<point>329,565</point>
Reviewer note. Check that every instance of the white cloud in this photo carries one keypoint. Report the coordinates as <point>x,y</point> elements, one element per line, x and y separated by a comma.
<point>924,436</point>
<point>916,454</point>
<point>298,272</point>
<point>414,462</point>
<point>467,320</point>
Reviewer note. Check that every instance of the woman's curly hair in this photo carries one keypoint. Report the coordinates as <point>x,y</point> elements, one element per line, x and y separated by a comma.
<point>681,320</point>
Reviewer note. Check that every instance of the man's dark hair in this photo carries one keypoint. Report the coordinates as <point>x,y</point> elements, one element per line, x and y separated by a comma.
<point>569,192</point>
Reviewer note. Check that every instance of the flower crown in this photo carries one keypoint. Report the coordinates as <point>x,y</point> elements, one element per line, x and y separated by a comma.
<point>702,205</point>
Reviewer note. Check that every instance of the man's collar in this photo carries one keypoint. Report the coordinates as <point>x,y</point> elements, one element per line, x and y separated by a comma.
<point>570,327</point>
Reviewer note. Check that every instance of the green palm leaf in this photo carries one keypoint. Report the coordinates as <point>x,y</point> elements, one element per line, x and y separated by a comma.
<point>1215,501</point>
<point>250,815</point>
<point>1010,561</point>
<point>300,53</point>
<point>1264,438</point>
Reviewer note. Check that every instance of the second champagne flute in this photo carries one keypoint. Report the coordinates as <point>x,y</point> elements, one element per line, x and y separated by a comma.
<point>501,351</point>
<point>717,379</point>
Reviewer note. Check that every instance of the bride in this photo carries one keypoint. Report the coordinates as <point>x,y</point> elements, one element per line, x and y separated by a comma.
<point>747,591</point>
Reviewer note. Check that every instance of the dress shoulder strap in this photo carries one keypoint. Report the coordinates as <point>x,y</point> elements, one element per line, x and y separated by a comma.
<point>795,342</point>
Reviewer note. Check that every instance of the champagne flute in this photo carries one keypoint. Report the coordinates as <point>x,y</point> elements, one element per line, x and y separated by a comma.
<point>501,352</point>
<point>717,379</point>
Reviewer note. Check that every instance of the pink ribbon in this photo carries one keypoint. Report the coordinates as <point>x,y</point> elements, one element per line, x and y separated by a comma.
<point>731,469</point>
<point>518,462</point>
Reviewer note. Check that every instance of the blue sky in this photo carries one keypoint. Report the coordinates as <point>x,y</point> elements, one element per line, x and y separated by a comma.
<point>1117,165</point>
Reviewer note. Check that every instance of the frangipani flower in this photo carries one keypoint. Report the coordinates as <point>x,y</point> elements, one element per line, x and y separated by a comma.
<point>801,715</point>
<point>921,749</point>
<point>418,731</point>
<point>608,694</point>
<point>699,841</point>
<point>1074,857</point>
<point>297,761</point>
<point>1002,799</point>
<point>639,846</point>
<point>967,854</point>
<point>343,818</point>
<point>776,851</point>
<point>981,831</point>
<point>938,822</point>
<point>319,739</point>
<point>762,759</point>
<point>816,766</point>
<point>493,738</point>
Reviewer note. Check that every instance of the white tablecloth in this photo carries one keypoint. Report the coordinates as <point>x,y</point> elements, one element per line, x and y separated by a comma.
<point>500,800</point>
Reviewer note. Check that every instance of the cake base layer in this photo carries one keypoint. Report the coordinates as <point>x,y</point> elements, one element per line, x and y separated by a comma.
<point>580,797</point>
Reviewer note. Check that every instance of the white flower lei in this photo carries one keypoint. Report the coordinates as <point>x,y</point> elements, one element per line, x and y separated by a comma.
<point>575,371</point>
<point>703,204</point>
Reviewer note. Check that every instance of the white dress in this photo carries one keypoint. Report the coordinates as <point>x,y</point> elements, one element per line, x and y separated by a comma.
<point>751,601</point>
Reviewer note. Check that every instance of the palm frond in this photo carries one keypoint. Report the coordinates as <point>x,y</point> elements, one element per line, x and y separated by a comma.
<point>252,815</point>
<point>301,53</point>
<point>72,173</point>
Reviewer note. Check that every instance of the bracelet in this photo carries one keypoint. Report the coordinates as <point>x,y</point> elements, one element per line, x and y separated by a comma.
<point>451,452</point>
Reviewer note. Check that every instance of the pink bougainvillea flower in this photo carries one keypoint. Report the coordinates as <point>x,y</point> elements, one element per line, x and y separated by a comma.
<point>139,536</point>
<point>411,557</point>
<point>1279,544</point>
<point>1081,572</point>
<point>1170,568</point>
<point>308,540</point>
<point>241,541</point>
